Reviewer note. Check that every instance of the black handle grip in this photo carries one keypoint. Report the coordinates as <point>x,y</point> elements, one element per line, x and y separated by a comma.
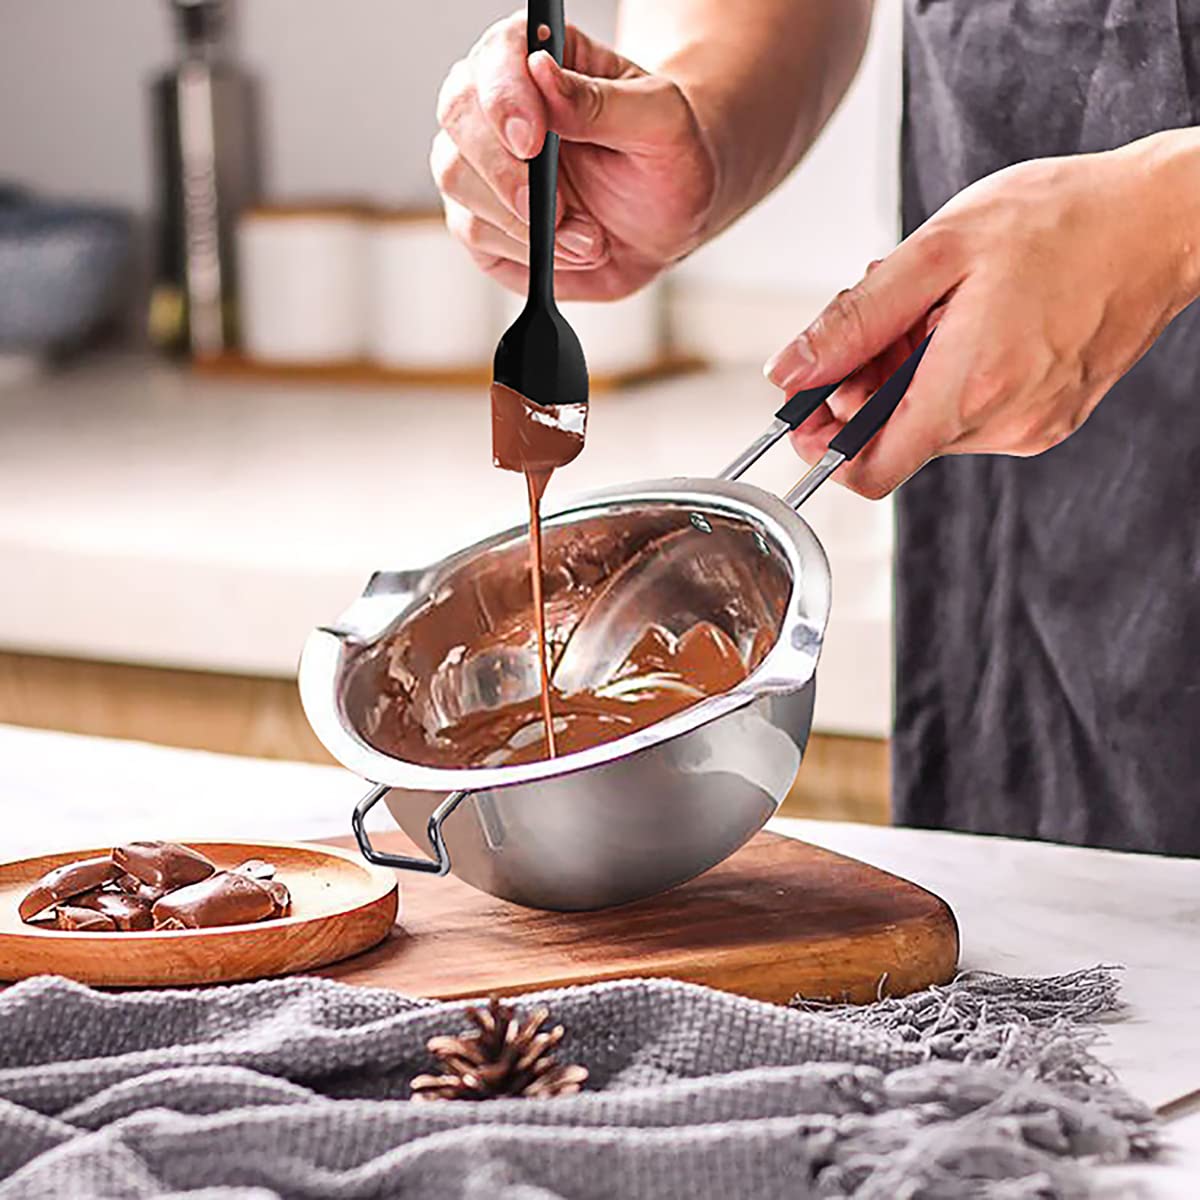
<point>543,16</point>
<point>873,415</point>
<point>803,404</point>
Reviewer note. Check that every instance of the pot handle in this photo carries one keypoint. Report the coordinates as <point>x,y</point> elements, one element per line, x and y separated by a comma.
<point>861,427</point>
<point>439,865</point>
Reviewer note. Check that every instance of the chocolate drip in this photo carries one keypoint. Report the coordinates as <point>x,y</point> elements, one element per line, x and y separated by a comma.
<point>661,675</point>
<point>537,486</point>
<point>535,439</point>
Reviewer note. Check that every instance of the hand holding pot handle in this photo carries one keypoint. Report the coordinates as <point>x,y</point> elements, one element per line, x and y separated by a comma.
<point>873,415</point>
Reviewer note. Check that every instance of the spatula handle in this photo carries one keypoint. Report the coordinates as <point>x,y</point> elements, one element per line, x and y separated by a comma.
<point>543,16</point>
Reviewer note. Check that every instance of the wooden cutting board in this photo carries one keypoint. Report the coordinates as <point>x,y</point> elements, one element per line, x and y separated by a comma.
<point>777,919</point>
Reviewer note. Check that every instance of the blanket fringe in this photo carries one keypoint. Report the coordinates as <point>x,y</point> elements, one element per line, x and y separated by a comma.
<point>1008,1103</point>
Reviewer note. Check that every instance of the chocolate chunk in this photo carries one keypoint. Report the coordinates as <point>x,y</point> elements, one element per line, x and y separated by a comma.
<point>165,865</point>
<point>126,912</point>
<point>227,898</point>
<point>256,869</point>
<point>72,917</point>
<point>131,885</point>
<point>64,882</point>
<point>280,897</point>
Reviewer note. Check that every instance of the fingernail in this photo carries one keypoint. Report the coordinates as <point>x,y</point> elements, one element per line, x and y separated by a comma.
<point>581,241</point>
<point>796,357</point>
<point>518,133</point>
<point>540,54</point>
<point>522,203</point>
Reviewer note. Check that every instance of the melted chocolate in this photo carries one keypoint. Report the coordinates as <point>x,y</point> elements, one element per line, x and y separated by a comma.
<point>533,437</point>
<point>661,675</point>
<point>537,576</point>
<point>536,439</point>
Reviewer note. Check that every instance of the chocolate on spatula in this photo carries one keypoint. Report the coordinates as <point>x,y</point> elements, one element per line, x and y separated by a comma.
<point>226,898</point>
<point>164,865</point>
<point>66,882</point>
<point>536,438</point>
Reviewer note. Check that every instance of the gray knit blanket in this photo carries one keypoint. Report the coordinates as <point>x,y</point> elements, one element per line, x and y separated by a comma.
<point>298,1088</point>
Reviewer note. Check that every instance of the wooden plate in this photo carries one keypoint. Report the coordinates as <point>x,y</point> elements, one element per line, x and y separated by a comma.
<point>340,906</point>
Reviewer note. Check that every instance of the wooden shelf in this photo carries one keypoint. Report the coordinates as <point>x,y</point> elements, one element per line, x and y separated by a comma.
<point>843,778</point>
<point>361,373</point>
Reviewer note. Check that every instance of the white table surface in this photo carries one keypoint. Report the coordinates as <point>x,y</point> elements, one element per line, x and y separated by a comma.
<point>1023,908</point>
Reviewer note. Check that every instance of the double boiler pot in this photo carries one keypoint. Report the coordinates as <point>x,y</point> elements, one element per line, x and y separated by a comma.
<point>419,650</point>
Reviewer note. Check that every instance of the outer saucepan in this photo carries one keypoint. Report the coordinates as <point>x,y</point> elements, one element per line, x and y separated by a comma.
<point>637,815</point>
<point>634,816</point>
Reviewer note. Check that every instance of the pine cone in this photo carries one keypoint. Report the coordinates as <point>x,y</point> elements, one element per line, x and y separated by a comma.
<point>503,1058</point>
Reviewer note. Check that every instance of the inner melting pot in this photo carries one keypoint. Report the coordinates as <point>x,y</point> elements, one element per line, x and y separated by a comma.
<point>457,682</point>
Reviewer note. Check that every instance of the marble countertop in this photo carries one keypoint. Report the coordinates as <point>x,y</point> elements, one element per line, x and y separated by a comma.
<point>154,516</point>
<point>1024,908</point>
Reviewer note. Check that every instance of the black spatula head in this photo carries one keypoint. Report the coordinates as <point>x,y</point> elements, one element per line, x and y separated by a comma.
<point>539,356</point>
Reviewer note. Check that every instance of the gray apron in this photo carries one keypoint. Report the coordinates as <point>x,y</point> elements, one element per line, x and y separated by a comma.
<point>1048,609</point>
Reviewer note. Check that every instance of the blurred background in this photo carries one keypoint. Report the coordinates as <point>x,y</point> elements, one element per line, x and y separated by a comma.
<point>242,366</point>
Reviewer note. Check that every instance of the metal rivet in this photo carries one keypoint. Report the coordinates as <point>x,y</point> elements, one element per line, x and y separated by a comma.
<point>700,522</point>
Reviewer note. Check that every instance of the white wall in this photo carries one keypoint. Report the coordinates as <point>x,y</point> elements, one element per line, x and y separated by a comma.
<point>840,208</point>
<point>349,90</point>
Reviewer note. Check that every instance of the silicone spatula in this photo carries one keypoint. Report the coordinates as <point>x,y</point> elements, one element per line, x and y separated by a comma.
<point>539,357</point>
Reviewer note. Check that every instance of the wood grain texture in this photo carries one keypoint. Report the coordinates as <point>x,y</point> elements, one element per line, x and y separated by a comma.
<point>363,373</point>
<point>778,918</point>
<point>198,710</point>
<point>340,906</point>
<point>843,778</point>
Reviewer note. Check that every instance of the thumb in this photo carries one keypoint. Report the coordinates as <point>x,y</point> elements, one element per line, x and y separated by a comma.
<point>621,114</point>
<point>863,321</point>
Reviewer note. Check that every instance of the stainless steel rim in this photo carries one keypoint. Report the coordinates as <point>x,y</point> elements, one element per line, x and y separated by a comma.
<point>788,666</point>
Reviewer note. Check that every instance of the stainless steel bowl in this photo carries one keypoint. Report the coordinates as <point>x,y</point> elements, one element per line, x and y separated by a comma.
<point>622,820</point>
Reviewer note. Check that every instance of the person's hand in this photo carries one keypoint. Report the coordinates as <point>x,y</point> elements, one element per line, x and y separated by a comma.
<point>636,177</point>
<point>1046,283</point>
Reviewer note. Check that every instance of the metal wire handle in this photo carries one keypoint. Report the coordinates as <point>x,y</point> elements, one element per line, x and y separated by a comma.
<point>438,865</point>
